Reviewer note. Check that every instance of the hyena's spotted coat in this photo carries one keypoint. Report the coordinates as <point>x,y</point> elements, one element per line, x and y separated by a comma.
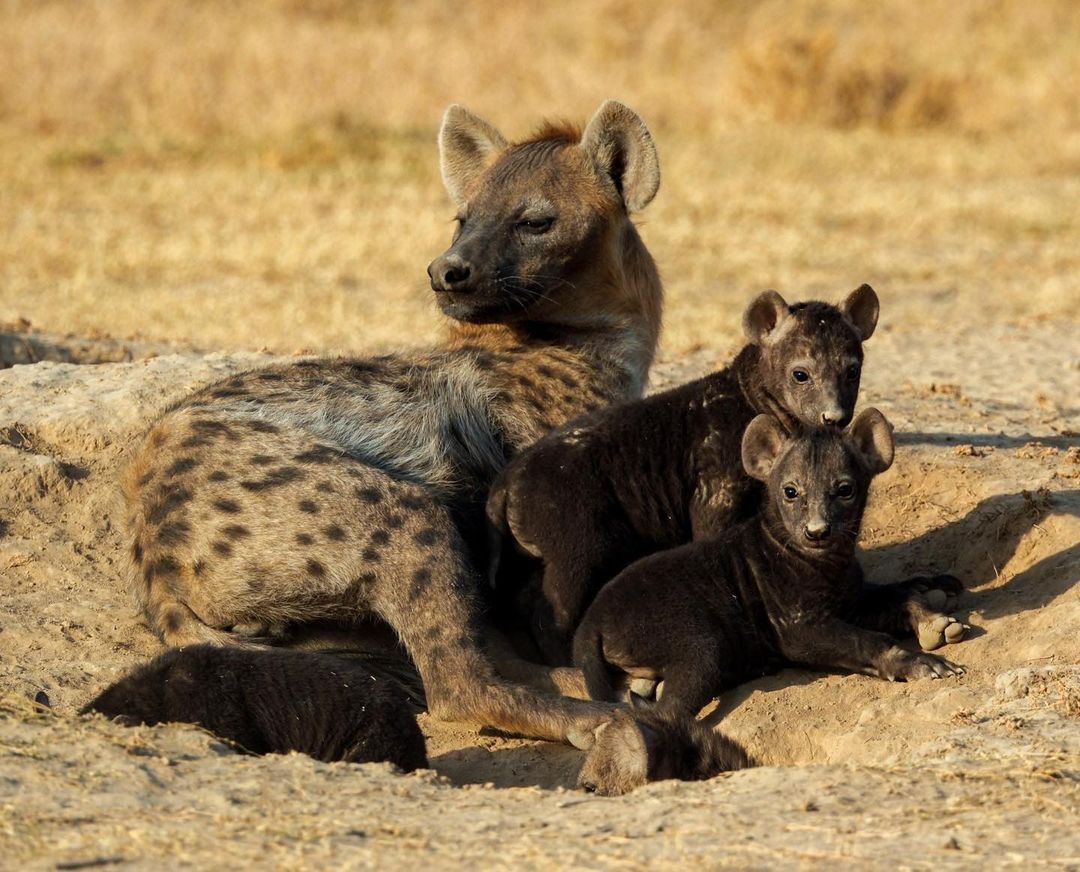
<point>329,489</point>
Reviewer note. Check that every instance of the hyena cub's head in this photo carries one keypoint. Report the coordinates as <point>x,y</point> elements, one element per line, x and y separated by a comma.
<point>817,482</point>
<point>543,232</point>
<point>647,744</point>
<point>811,353</point>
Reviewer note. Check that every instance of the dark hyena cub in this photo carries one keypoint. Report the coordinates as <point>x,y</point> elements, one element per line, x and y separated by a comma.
<point>639,477</point>
<point>649,744</point>
<point>272,702</point>
<point>782,587</point>
<point>331,489</point>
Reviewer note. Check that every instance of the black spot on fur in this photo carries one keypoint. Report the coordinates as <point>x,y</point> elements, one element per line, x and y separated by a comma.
<point>536,404</point>
<point>211,426</point>
<point>229,507</point>
<point>318,454</point>
<point>146,478</point>
<point>369,495</point>
<point>303,539</point>
<point>372,554</point>
<point>316,569</point>
<point>218,475</point>
<point>172,621</point>
<point>180,466</point>
<point>428,536</point>
<point>195,441</point>
<point>271,377</point>
<point>262,459</point>
<point>170,497</point>
<point>274,478</point>
<point>421,578</point>
<point>325,487</point>
<point>335,533</point>
<point>174,533</point>
<point>137,552</point>
<point>226,393</point>
<point>308,507</point>
<point>222,548</point>
<point>380,537</point>
<point>546,371</point>
<point>568,381</point>
<point>235,531</point>
<point>411,502</point>
<point>166,565</point>
<point>525,381</point>
<point>198,567</point>
<point>262,427</point>
<point>567,398</point>
<point>394,522</point>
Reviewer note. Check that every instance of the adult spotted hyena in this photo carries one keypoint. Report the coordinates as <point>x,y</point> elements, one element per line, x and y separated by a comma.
<point>328,489</point>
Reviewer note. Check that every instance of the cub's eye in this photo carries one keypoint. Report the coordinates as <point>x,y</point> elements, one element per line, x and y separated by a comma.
<point>852,372</point>
<point>790,492</point>
<point>589,787</point>
<point>801,376</point>
<point>536,225</point>
<point>845,491</point>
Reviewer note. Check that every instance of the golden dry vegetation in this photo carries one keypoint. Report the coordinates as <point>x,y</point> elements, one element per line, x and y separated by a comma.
<point>247,174</point>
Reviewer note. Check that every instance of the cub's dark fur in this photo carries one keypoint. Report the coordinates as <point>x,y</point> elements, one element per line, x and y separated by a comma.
<point>327,706</point>
<point>643,476</point>
<point>783,587</point>
<point>649,744</point>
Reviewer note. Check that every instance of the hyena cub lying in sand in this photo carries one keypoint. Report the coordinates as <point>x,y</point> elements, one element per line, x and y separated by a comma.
<point>640,477</point>
<point>330,489</point>
<point>782,587</point>
<point>272,702</point>
<point>648,744</point>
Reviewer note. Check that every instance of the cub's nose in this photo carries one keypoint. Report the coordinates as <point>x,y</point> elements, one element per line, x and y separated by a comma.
<point>834,417</point>
<point>817,530</point>
<point>450,273</point>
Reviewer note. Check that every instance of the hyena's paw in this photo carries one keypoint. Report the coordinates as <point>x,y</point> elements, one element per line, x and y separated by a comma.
<point>902,665</point>
<point>940,591</point>
<point>939,630</point>
<point>646,688</point>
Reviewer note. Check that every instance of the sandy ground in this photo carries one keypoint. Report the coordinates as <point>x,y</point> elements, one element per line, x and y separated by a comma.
<point>980,770</point>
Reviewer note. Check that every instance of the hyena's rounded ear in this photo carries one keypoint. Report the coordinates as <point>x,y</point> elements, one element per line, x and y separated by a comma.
<point>873,437</point>
<point>761,446</point>
<point>861,308</point>
<point>468,145</point>
<point>763,316</point>
<point>623,150</point>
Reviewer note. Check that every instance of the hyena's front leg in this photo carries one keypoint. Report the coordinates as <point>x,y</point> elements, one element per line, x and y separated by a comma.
<point>918,605</point>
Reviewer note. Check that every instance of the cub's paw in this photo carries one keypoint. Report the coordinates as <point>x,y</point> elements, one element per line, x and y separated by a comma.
<point>901,665</point>
<point>939,630</point>
<point>939,591</point>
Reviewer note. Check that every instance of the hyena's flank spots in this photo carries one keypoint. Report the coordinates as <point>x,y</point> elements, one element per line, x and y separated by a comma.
<point>360,482</point>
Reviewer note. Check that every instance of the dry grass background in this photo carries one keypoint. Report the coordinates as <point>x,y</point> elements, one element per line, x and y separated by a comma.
<point>235,173</point>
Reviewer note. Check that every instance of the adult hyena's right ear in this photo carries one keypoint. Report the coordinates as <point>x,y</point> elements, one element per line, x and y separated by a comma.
<point>622,148</point>
<point>468,145</point>
<point>761,446</point>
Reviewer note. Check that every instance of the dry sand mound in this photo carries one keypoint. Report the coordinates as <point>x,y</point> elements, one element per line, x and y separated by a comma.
<point>983,768</point>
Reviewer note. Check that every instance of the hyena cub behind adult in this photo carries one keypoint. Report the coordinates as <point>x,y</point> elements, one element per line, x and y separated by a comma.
<point>639,477</point>
<point>782,587</point>
<point>327,489</point>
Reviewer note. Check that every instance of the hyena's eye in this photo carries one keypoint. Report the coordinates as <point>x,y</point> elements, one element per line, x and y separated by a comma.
<point>536,225</point>
<point>852,372</point>
<point>800,376</point>
<point>790,492</point>
<point>845,491</point>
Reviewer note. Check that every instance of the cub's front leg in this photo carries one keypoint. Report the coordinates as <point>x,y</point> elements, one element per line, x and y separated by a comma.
<point>840,645</point>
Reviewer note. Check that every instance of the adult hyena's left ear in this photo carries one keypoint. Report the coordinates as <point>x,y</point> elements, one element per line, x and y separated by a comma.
<point>873,437</point>
<point>861,308</point>
<point>468,145</point>
<point>623,150</point>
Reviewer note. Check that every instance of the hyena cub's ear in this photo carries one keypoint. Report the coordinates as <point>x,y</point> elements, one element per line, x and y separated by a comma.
<point>761,318</point>
<point>622,148</point>
<point>873,437</point>
<point>467,146</point>
<point>861,309</point>
<point>762,444</point>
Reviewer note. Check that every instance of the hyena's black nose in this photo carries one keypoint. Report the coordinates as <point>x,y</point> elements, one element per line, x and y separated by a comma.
<point>450,272</point>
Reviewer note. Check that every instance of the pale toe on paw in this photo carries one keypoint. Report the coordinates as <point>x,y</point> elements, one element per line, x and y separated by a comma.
<point>643,687</point>
<point>939,630</point>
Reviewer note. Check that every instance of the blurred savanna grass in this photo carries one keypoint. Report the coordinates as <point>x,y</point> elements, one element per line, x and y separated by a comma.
<point>247,174</point>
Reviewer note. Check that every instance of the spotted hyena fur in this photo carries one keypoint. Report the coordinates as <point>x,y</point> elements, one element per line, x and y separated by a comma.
<point>330,489</point>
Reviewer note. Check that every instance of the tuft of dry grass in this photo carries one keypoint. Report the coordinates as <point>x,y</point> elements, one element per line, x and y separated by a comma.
<point>248,174</point>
